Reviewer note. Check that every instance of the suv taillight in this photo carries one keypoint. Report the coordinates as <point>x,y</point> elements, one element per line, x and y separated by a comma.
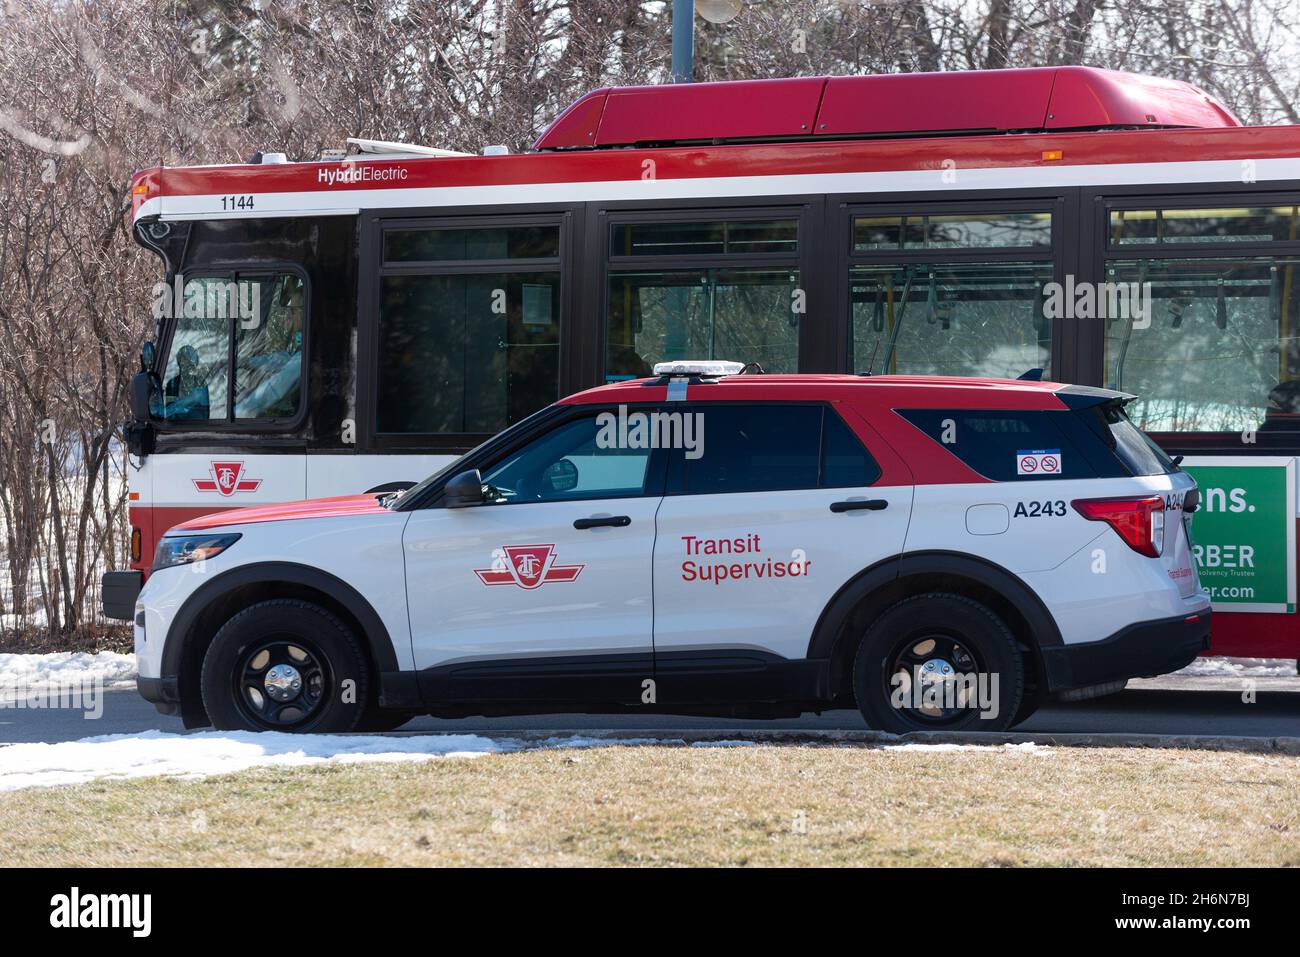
<point>1139,521</point>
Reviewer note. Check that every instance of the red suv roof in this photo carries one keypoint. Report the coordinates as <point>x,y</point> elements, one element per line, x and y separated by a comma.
<point>889,391</point>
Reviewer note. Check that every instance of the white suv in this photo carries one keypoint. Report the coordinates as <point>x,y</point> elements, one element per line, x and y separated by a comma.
<point>940,553</point>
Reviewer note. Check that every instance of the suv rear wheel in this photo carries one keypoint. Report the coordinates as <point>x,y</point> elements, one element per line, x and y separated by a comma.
<point>938,662</point>
<point>285,665</point>
<point>380,719</point>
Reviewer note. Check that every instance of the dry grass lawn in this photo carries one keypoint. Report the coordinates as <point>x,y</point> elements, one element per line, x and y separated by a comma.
<point>667,805</point>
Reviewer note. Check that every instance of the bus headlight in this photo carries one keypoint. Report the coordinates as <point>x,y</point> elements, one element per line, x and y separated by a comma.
<point>187,549</point>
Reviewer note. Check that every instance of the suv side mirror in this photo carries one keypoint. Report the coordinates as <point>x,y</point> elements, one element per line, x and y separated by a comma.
<point>463,490</point>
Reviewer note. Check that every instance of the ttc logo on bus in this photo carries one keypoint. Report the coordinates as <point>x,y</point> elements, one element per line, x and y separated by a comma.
<point>226,478</point>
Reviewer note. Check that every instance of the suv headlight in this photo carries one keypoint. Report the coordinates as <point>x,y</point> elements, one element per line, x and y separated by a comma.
<point>187,549</point>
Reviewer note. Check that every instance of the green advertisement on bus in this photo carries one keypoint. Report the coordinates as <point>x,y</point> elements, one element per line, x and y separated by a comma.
<point>1243,534</point>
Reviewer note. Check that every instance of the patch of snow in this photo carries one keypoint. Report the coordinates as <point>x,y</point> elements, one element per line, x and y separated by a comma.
<point>1024,747</point>
<point>33,619</point>
<point>203,753</point>
<point>724,744</point>
<point>65,667</point>
<point>190,756</point>
<point>579,741</point>
<point>1240,668</point>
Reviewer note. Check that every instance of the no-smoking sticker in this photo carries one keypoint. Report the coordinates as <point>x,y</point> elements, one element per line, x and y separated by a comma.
<point>1038,462</point>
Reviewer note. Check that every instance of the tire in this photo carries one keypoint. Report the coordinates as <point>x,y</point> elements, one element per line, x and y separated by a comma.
<point>377,719</point>
<point>243,690</point>
<point>963,635</point>
<point>1030,702</point>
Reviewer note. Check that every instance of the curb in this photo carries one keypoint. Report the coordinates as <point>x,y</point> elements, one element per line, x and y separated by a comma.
<point>1250,745</point>
<point>1230,684</point>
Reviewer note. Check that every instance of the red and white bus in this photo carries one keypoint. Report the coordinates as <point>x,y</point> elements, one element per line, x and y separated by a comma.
<point>400,304</point>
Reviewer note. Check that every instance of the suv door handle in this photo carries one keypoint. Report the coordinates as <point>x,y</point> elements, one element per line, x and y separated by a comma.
<point>870,504</point>
<point>614,521</point>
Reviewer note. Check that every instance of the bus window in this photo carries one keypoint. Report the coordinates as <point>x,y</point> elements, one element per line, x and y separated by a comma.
<point>197,372</point>
<point>264,315</point>
<point>704,313</point>
<point>679,290</point>
<point>469,327</point>
<point>1158,227</point>
<point>268,351</point>
<point>1213,345</point>
<point>970,319</point>
<point>958,231</point>
<point>462,245</point>
<point>467,354</point>
<point>950,293</point>
<point>704,238</point>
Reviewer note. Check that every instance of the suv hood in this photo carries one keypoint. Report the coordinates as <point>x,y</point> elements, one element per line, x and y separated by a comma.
<point>313,508</point>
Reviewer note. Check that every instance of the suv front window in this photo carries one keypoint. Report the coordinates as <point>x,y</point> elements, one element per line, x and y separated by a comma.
<point>569,463</point>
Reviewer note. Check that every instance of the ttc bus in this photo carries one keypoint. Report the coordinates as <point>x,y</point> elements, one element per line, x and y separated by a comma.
<point>393,307</point>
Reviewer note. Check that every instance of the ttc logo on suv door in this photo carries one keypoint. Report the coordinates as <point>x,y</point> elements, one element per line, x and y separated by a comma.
<point>528,566</point>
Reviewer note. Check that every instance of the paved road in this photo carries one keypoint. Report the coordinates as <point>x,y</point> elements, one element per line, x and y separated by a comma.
<point>1216,712</point>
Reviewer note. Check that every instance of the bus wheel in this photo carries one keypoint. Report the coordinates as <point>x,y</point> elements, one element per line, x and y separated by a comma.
<point>938,662</point>
<point>285,665</point>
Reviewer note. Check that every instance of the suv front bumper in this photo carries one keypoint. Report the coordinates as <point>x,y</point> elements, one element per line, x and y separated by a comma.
<point>1140,650</point>
<point>119,591</point>
<point>163,693</point>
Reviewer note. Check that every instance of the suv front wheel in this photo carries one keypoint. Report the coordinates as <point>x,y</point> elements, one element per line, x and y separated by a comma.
<point>938,662</point>
<point>285,665</point>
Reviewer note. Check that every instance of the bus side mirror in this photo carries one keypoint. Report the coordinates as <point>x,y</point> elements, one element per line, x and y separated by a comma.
<point>147,355</point>
<point>142,388</point>
<point>139,432</point>
<point>463,490</point>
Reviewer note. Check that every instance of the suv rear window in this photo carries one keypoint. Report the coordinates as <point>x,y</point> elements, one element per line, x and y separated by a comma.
<point>1097,441</point>
<point>993,442</point>
<point>1130,444</point>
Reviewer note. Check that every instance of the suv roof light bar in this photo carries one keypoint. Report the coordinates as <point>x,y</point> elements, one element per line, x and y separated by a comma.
<point>703,368</point>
